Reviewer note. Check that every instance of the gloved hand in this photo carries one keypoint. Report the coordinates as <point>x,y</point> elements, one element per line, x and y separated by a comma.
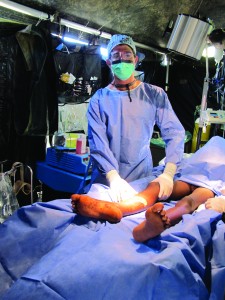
<point>165,181</point>
<point>121,189</point>
<point>217,203</point>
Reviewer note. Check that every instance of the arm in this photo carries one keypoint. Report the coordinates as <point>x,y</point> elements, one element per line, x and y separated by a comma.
<point>99,142</point>
<point>98,138</point>
<point>172,131</point>
<point>173,135</point>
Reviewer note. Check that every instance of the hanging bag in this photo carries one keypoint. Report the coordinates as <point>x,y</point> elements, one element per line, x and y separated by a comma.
<point>11,183</point>
<point>8,200</point>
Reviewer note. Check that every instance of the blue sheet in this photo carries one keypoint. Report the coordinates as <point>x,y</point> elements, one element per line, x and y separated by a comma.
<point>206,167</point>
<point>48,252</point>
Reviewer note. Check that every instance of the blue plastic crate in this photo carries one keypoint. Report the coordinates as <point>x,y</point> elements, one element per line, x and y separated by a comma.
<point>67,160</point>
<point>61,180</point>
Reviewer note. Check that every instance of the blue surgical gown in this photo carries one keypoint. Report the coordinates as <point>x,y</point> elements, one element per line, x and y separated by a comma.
<point>119,131</point>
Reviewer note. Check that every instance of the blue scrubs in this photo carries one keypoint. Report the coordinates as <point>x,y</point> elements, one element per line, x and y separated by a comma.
<point>119,131</point>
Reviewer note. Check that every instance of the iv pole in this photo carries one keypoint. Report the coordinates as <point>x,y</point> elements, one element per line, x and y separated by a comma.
<point>167,73</point>
<point>202,123</point>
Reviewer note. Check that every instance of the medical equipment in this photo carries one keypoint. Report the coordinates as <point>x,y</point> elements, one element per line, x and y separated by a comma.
<point>214,116</point>
<point>205,135</point>
<point>64,170</point>
<point>189,38</point>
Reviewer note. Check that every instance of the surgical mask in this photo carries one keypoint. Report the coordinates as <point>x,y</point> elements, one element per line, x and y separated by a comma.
<point>123,70</point>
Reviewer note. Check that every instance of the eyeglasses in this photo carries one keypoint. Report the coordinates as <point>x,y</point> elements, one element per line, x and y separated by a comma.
<point>126,55</point>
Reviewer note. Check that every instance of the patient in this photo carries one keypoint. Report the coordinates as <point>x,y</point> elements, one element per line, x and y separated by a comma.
<point>157,219</point>
<point>201,177</point>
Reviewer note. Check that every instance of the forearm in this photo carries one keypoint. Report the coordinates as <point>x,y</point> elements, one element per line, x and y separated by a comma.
<point>174,147</point>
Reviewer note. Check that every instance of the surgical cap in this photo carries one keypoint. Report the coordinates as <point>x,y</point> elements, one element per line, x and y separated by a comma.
<point>120,39</point>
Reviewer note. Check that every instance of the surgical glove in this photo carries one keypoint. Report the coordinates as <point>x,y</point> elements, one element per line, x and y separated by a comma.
<point>218,204</point>
<point>165,181</point>
<point>120,188</point>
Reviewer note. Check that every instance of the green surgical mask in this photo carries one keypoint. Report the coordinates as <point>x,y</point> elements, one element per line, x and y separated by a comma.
<point>123,70</point>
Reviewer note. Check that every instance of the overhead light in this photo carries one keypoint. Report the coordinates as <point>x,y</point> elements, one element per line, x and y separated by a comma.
<point>166,61</point>
<point>70,39</point>
<point>73,41</point>
<point>189,36</point>
<point>210,51</point>
<point>85,29</point>
<point>104,53</point>
<point>23,9</point>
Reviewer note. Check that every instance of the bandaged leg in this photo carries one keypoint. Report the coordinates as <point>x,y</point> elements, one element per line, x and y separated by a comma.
<point>156,222</point>
<point>218,204</point>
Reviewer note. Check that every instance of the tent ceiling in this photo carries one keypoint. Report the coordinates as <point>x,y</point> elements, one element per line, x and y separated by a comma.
<point>144,20</point>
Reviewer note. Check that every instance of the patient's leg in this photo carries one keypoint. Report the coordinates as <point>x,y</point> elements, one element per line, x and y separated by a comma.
<point>189,203</point>
<point>93,208</point>
<point>147,229</point>
<point>111,211</point>
<point>155,223</point>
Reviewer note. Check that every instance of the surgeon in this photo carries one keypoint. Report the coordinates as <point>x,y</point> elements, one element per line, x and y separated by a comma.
<point>121,119</point>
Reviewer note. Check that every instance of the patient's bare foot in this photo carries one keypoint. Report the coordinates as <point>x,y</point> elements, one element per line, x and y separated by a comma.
<point>90,207</point>
<point>155,223</point>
